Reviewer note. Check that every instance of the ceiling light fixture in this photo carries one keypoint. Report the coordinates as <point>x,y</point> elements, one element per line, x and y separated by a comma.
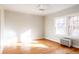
<point>42,7</point>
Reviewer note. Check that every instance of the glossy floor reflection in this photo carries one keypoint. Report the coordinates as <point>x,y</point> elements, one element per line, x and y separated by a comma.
<point>41,46</point>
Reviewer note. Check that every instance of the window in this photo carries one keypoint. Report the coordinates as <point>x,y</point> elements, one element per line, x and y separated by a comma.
<point>60,26</point>
<point>74,25</point>
<point>67,25</point>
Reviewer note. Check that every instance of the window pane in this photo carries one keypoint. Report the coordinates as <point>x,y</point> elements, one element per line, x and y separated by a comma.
<point>75,30</point>
<point>60,26</point>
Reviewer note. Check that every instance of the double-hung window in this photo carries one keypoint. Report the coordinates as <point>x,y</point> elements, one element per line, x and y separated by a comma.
<point>68,25</point>
<point>60,25</point>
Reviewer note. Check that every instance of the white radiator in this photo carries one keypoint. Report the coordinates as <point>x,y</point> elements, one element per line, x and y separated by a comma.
<point>66,42</point>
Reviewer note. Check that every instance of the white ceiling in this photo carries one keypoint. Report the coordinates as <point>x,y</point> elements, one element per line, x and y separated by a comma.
<point>33,8</point>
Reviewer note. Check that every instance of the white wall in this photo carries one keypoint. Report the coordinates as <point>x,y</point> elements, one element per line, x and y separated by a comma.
<point>0,25</point>
<point>0,29</point>
<point>50,27</point>
<point>31,26</point>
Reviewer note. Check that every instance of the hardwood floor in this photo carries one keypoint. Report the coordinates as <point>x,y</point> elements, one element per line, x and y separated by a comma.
<point>51,48</point>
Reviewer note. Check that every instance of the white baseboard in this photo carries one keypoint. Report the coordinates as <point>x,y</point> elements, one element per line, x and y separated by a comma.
<point>54,40</point>
<point>76,46</point>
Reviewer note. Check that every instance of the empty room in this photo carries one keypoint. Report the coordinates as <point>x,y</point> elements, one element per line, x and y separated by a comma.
<point>39,29</point>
